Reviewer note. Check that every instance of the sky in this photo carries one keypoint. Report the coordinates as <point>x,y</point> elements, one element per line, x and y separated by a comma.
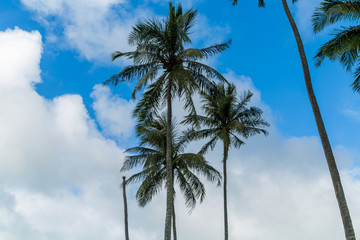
<point>63,134</point>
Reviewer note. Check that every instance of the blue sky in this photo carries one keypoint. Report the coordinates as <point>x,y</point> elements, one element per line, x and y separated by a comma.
<point>65,135</point>
<point>263,48</point>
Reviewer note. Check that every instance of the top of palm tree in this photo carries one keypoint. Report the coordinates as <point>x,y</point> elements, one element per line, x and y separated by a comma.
<point>225,117</point>
<point>160,55</point>
<point>151,156</point>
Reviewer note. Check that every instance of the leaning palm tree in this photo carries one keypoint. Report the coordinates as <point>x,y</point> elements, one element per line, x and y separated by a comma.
<point>165,68</point>
<point>330,159</point>
<point>151,156</point>
<point>344,45</point>
<point>226,118</point>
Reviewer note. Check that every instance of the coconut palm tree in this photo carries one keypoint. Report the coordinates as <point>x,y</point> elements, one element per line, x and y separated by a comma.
<point>344,45</point>
<point>330,159</point>
<point>151,156</point>
<point>226,118</point>
<point>165,68</point>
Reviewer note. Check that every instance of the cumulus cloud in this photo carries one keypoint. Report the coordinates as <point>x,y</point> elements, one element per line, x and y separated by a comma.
<point>57,167</point>
<point>114,114</point>
<point>60,177</point>
<point>94,28</point>
<point>97,28</point>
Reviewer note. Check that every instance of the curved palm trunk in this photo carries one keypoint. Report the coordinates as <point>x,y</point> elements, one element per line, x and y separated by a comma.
<point>226,151</point>
<point>169,172</point>
<point>125,211</point>
<point>340,196</point>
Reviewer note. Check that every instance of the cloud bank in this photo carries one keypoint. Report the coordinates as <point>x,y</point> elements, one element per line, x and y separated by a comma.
<point>59,173</point>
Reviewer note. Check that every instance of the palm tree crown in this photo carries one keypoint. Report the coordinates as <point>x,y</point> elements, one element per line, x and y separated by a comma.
<point>344,45</point>
<point>160,57</point>
<point>226,118</point>
<point>151,156</point>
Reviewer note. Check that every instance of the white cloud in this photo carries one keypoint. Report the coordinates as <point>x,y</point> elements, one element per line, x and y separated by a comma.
<point>94,28</point>
<point>55,163</point>
<point>60,176</point>
<point>113,113</point>
<point>28,62</point>
<point>97,28</point>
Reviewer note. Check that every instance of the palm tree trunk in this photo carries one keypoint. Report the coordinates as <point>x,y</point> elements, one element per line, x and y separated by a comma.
<point>174,223</point>
<point>226,151</point>
<point>125,210</point>
<point>174,218</point>
<point>340,196</point>
<point>169,177</point>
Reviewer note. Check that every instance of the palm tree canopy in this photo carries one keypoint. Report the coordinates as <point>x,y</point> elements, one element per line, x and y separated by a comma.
<point>151,156</point>
<point>160,55</point>
<point>344,45</point>
<point>226,118</point>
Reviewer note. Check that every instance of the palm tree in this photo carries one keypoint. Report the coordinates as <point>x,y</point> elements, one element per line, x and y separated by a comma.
<point>151,156</point>
<point>166,69</point>
<point>330,159</point>
<point>225,119</point>
<point>344,46</point>
<point>125,209</point>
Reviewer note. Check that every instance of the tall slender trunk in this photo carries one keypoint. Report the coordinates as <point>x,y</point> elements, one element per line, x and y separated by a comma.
<point>173,217</point>
<point>340,196</point>
<point>169,177</point>
<point>226,230</point>
<point>125,210</point>
<point>174,223</point>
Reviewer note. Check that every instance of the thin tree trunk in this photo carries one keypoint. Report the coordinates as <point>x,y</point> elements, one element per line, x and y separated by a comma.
<point>174,223</point>
<point>340,196</point>
<point>169,177</point>
<point>226,150</point>
<point>125,210</point>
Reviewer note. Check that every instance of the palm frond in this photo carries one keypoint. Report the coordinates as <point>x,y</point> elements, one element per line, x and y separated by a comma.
<point>150,75</point>
<point>198,164</point>
<point>236,141</point>
<point>215,49</point>
<point>129,73</point>
<point>332,11</point>
<point>149,103</point>
<point>210,144</point>
<point>118,54</point>
<point>186,189</point>
<point>198,68</point>
<point>192,54</point>
<point>151,185</point>
<point>147,30</point>
<point>343,47</point>
<point>356,84</point>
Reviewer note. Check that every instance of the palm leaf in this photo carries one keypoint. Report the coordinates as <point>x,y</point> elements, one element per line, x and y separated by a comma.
<point>332,11</point>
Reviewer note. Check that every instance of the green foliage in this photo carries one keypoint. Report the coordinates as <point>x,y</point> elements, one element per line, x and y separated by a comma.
<point>160,57</point>
<point>344,45</point>
<point>225,118</point>
<point>150,155</point>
